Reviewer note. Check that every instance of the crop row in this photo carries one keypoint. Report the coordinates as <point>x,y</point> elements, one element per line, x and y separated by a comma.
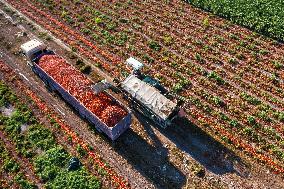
<point>180,31</point>
<point>174,39</point>
<point>69,133</point>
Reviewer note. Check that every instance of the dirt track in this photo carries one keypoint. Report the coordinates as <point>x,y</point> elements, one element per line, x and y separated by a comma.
<point>147,156</point>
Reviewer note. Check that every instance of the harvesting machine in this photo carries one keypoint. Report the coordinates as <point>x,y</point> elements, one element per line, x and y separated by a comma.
<point>144,94</point>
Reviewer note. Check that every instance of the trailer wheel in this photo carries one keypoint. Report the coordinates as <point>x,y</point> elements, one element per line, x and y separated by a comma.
<point>99,130</point>
<point>131,105</point>
<point>49,88</point>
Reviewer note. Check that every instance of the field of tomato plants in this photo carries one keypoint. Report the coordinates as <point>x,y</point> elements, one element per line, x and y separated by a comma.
<point>36,149</point>
<point>262,16</point>
<point>230,77</point>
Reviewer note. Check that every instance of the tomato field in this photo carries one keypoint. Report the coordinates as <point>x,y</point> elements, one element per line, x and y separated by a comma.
<point>230,78</point>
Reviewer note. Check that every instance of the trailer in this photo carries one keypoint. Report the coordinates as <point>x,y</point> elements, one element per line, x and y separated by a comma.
<point>35,50</point>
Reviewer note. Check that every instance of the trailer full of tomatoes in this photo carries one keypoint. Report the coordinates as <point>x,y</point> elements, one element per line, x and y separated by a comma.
<point>79,86</point>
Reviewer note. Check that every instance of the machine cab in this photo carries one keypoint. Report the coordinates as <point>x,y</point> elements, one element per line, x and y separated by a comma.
<point>33,49</point>
<point>135,64</point>
<point>136,70</point>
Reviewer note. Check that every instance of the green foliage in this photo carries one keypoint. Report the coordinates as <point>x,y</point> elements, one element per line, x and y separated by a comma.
<point>168,40</point>
<point>199,58</point>
<point>223,117</point>
<point>56,156</point>
<point>277,65</point>
<point>52,168</point>
<point>264,115</point>
<point>252,100</point>
<point>217,101</point>
<point>233,36</point>
<point>123,20</point>
<point>67,17</point>
<point>278,152</point>
<point>98,20</point>
<point>233,61</point>
<point>263,16</point>
<point>50,162</point>
<point>205,22</point>
<point>275,78</point>
<point>86,31</point>
<point>19,179</point>
<point>109,38</point>
<point>12,127</point>
<point>247,131</point>
<point>234,123</point>
<point>154,45</point>
<point>21,117</point>
<point>40,137</point>
<point>121,38</point>
<point>11,166</point>
<point>74,179</point>
<point>64,13</point>
<point>148,58</point>
<point>216,77</point>
<point>182,84</point>
<point>6,96</point>
<point>279,116</point>
<point>111,26</point>
<point>251,120</point>
<point>81,151</point>
<point>177,87</point>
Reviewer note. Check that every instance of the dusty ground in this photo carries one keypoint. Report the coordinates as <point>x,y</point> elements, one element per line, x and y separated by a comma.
<point>182,156</point>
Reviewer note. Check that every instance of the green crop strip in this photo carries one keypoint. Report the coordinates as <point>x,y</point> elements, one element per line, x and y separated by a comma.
<point>263,16</point>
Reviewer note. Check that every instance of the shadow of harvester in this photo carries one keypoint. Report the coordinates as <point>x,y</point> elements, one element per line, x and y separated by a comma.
<point>210,153</point>
<point>152,160</point>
